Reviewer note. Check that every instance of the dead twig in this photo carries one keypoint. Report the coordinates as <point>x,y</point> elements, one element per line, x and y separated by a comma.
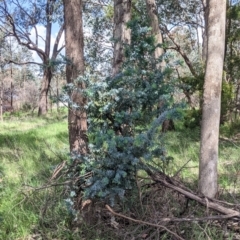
<point>163,180</point>
<point>204,231</point>
<point>181,168</point>
<point>142,222</point>
<point>232,141</point>
<point>51,183</point>
<point>226,203</point>
<point>48,186</point>
<point>57,170</point>
<point>202,219</point>
<point>50,148</point>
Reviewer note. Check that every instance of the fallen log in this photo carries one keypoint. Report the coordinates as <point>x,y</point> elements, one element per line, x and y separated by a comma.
<point>166,181</point>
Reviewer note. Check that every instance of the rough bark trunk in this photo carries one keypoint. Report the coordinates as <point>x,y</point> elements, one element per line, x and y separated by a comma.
<point>77,118</point>
<point>122,34</point>
<point>216,18</point>
<point>167,124</point>
<point>1,100</point>
<point>43,98</point>
<point>153,18</point>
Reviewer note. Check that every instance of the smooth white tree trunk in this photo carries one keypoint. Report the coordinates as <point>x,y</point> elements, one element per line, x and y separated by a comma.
<point>216,20</point>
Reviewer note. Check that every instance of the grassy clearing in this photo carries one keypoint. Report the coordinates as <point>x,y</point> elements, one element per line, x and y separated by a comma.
<point>30,148</point>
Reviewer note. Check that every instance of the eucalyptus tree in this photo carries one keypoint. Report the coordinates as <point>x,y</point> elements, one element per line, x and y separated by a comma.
<point>77,117</point>
<point>216,21</point>
<point>156,32</point>
<point>17,53</point>
<point>3,47</point>
<point>182,25</point>
<point>6,52</point>
<point>23,20</point>
<point>186,18</point>
<point>16,78</point>
<point>98,31</point>
<point>121,34</point>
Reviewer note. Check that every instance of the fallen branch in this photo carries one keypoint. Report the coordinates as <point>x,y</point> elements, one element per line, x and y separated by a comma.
<point>52,183</point>
<point>46,186</point>
<point>232,141</point>
<point>192,219</point>
<point>184,165</point>
<point>142,222</point>
<point>202,219</point>
<point>158,177</point>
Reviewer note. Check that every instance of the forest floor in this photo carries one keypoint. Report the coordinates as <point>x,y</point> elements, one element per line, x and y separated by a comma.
<point>32,148</point>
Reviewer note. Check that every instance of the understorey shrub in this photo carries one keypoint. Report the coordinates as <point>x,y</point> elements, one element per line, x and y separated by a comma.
<point>192,118</point>
<point>125,113</point>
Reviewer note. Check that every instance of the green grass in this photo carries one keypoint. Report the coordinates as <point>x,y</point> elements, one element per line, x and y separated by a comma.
<point>30,148</point>
<point>184,147</point>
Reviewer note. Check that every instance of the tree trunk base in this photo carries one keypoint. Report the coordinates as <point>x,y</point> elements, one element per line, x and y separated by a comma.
<point>168,125</point>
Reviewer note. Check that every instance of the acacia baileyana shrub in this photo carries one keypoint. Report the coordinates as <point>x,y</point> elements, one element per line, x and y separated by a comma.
<point>125,113</point>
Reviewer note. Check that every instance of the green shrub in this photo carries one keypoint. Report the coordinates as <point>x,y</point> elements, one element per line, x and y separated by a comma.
<point>192,118</point>
<point>26,107</point>
<point>123,117</point>
<point>226,100</point>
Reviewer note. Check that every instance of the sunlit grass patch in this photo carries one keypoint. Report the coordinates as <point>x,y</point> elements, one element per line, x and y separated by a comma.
<point>230,129</point>
<point>184,147</point>
<point>29,151</point>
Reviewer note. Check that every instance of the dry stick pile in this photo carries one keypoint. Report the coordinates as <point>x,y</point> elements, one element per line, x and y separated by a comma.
<point>164,180</point>
<point>168,182</point>
<point>209,203</point>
